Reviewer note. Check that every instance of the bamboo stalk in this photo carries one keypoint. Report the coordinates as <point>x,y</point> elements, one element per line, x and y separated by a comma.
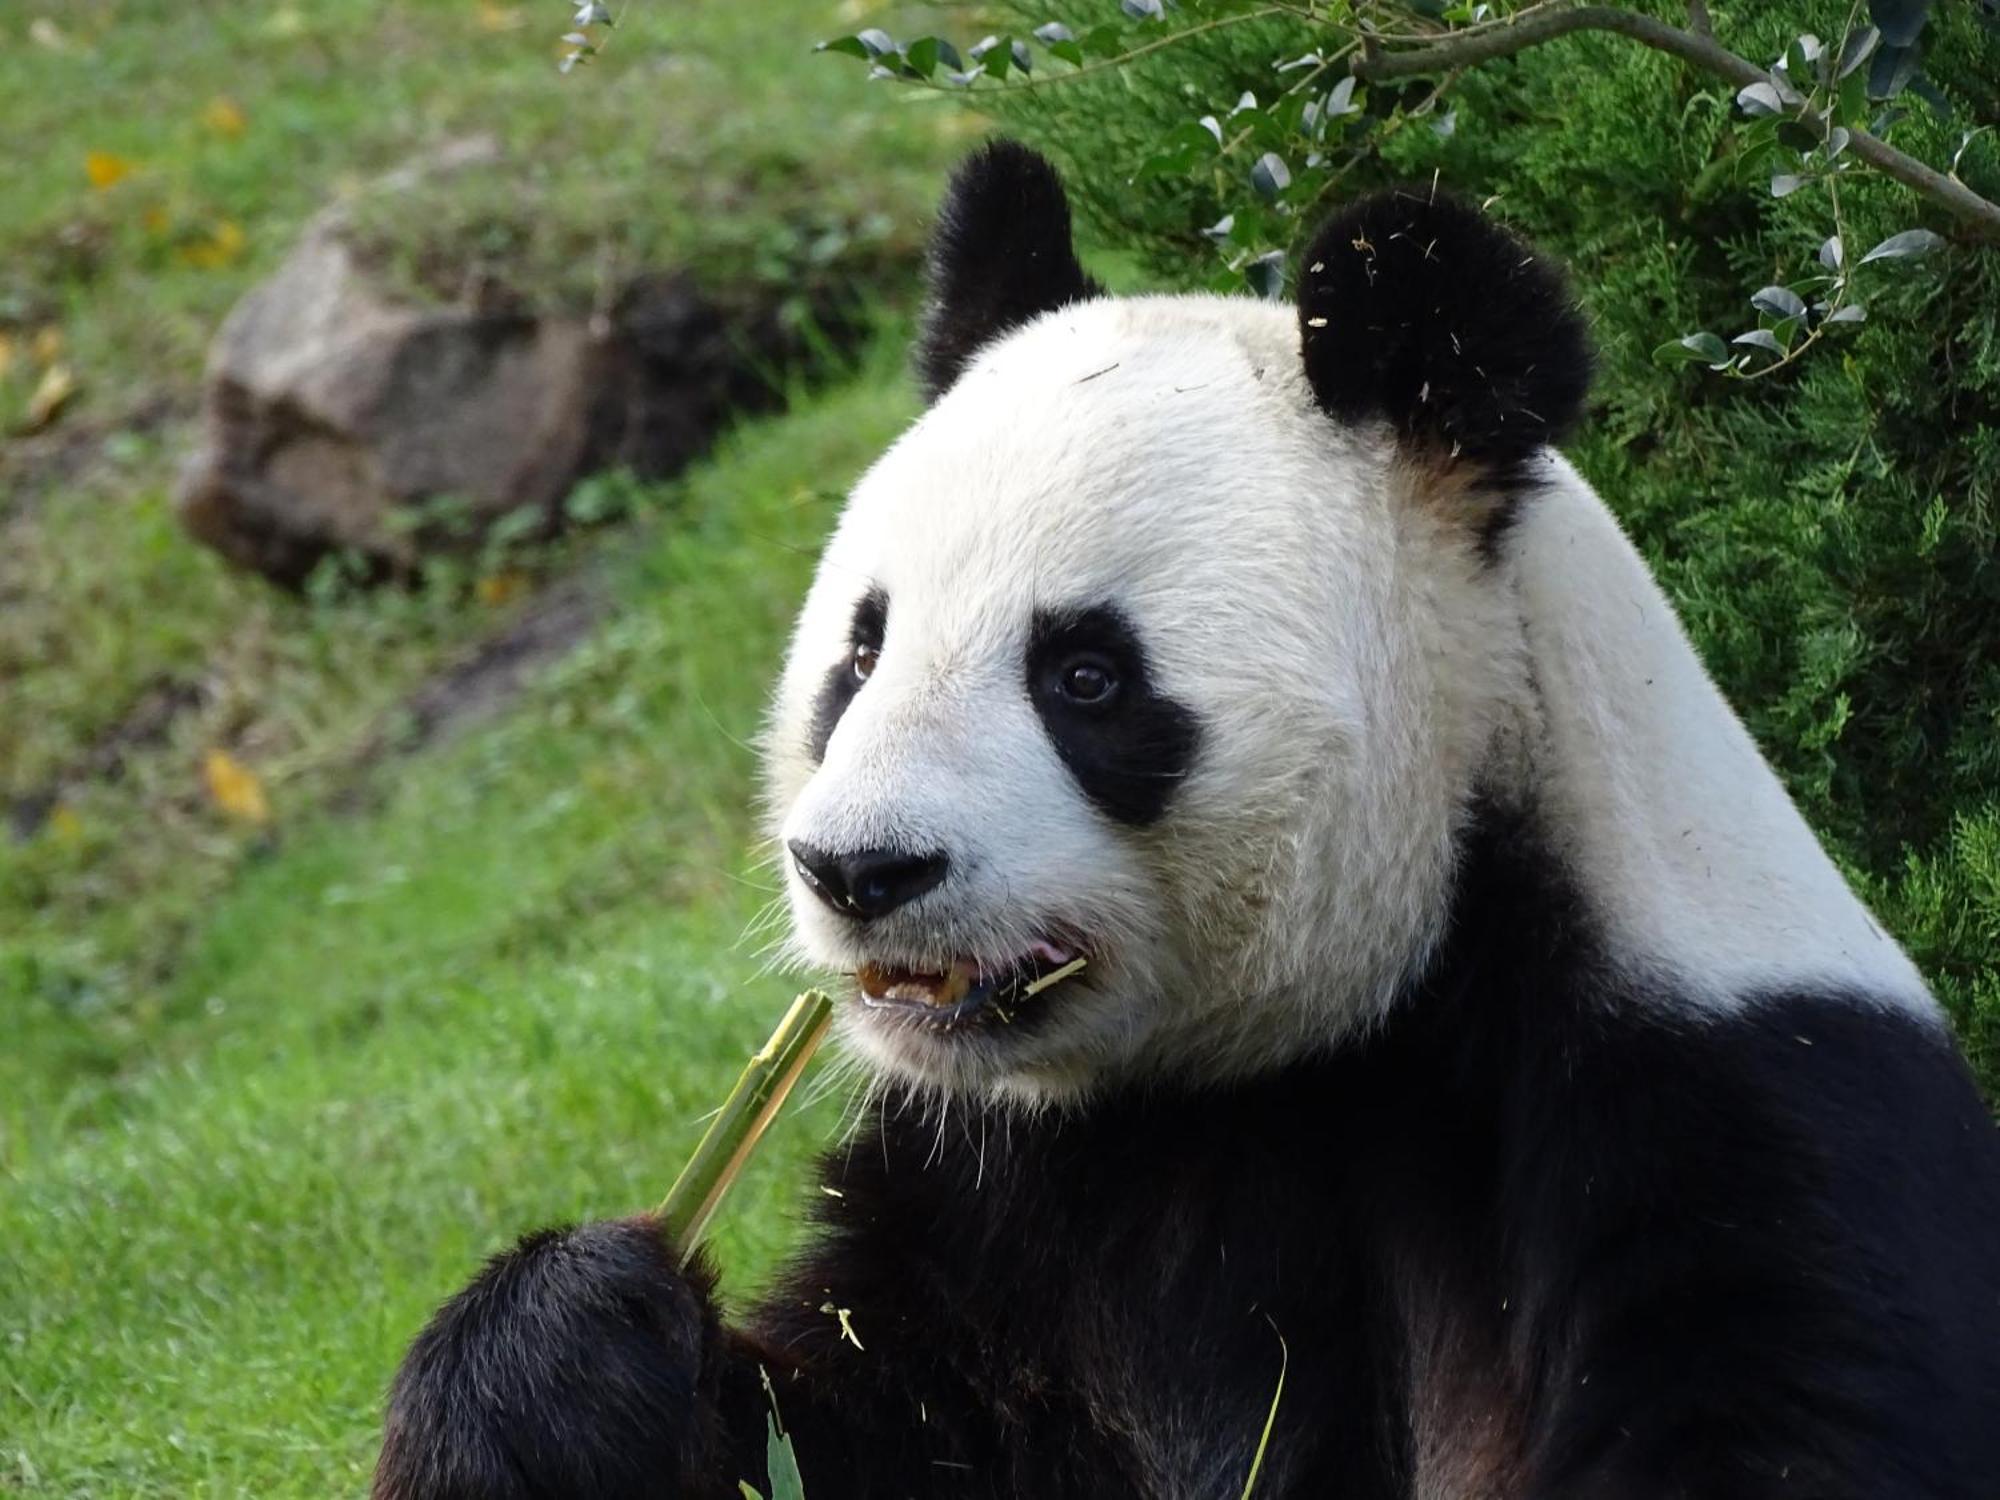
<point>751,1106</point>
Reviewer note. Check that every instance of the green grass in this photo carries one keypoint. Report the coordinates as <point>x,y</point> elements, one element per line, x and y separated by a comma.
<point>268,1092</point>
<point>703,138</point>
<point>705,133</point>
<point>505,996</point>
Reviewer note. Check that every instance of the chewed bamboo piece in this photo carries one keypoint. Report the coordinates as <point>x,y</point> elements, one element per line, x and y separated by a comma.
<point>751,1106</point>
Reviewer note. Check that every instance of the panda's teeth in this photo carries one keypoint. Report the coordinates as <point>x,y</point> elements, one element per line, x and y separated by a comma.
<point>880,982</point>
<point>967,986</point>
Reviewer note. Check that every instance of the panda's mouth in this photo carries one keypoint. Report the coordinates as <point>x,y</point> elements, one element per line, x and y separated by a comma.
<point>969,991</point>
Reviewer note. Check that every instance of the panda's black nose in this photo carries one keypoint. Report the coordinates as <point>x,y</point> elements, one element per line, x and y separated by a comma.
<point>870,883</point>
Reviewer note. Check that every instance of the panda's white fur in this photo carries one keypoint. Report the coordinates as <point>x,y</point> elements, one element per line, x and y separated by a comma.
<point>1694,856</point>
<point>1359,666</point>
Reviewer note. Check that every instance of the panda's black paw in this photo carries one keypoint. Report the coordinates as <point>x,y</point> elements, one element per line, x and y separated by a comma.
<point>574,1364</point>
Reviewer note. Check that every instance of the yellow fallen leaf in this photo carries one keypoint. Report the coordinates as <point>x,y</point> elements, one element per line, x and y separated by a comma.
<point>64,825</point>
<point>52,394</point>
<point>48,344</point>
<point>501,588</point>
<point>495,17</point>
<point>106,169</point>
<point>155,219</point>
<point>236,789</point>
<point>224,116</point>
<point>221,246</point>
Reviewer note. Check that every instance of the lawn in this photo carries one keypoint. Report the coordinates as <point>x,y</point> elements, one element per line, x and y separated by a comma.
<point>275,1084</point>
<point>505,996</point>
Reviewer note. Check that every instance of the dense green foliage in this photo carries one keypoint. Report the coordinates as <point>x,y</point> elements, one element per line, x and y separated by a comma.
<point>1829,533</point>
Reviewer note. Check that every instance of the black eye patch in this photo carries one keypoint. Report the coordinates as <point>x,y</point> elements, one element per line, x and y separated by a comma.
<point>1127,744</point>
<point>871,620</point>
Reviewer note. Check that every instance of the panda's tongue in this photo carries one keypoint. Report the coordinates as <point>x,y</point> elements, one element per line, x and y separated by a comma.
<point>949,987</point>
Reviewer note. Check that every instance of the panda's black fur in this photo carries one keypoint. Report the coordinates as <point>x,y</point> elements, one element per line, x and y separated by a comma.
<point>1540,1235</point>
<point>1001,254</point>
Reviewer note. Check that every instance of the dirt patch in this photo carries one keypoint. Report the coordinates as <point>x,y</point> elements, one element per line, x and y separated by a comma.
<point>144,725</point>
<point>480,684</point>
<point>67,452</point>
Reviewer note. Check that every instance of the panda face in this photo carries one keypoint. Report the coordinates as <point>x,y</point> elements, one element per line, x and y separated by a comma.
<point>1058,695</point>
<point>1144,682</point>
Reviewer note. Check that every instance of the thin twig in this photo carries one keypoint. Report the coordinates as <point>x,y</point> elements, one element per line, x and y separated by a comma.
<point>1172,39</point>
<point>1704,52</point>
<point>1845,279</point>
<point>1313,75</point>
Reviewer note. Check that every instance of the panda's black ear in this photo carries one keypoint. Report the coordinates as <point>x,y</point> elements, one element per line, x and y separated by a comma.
<point>1000,255</point>
<point>1416,307</point>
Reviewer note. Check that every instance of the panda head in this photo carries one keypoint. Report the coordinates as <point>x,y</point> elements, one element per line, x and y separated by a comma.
<point>1166,643</point>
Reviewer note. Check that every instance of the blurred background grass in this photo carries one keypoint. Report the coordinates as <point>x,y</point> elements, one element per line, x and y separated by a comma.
<point>271,1087</point>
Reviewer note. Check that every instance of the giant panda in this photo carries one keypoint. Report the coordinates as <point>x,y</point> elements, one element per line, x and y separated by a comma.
<point>1477,1069</point>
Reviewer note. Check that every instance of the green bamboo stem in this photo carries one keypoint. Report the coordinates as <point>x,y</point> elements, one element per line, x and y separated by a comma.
<point>749,1109</point>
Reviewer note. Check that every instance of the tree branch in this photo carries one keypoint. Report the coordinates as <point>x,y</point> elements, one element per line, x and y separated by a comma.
<point>1701,50</point>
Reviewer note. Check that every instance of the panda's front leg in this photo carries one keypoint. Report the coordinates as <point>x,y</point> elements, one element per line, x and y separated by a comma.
<point>583,1362</point>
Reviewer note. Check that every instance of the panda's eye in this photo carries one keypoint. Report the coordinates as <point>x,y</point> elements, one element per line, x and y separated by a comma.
<point>1087,679</point>
<point>865,657</point>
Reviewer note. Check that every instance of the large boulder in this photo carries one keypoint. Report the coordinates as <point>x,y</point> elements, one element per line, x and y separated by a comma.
<point>340,409</point>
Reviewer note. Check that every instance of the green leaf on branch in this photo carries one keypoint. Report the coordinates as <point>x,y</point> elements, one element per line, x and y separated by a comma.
<point>1270,176</point>
<point>1908,245</point>
<point>1694,348</point>
<point>1892,70</point>
<point>1850,99</point>
<point>1932,95</point>
<point>991,56</point>
<point>1779,302</point>
<point>1860,45</point>
<point>1266,275</point>
<point>1061,43</point>
<point>1189,142</point>
<point>1103,41</point>
<point>1902,21</point>
<point>1801,64</point>
<point>1761,338</point>
<point>1758,99</point>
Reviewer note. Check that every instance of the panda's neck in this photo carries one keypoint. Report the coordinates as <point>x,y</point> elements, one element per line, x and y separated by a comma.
<point>1694,862</point>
